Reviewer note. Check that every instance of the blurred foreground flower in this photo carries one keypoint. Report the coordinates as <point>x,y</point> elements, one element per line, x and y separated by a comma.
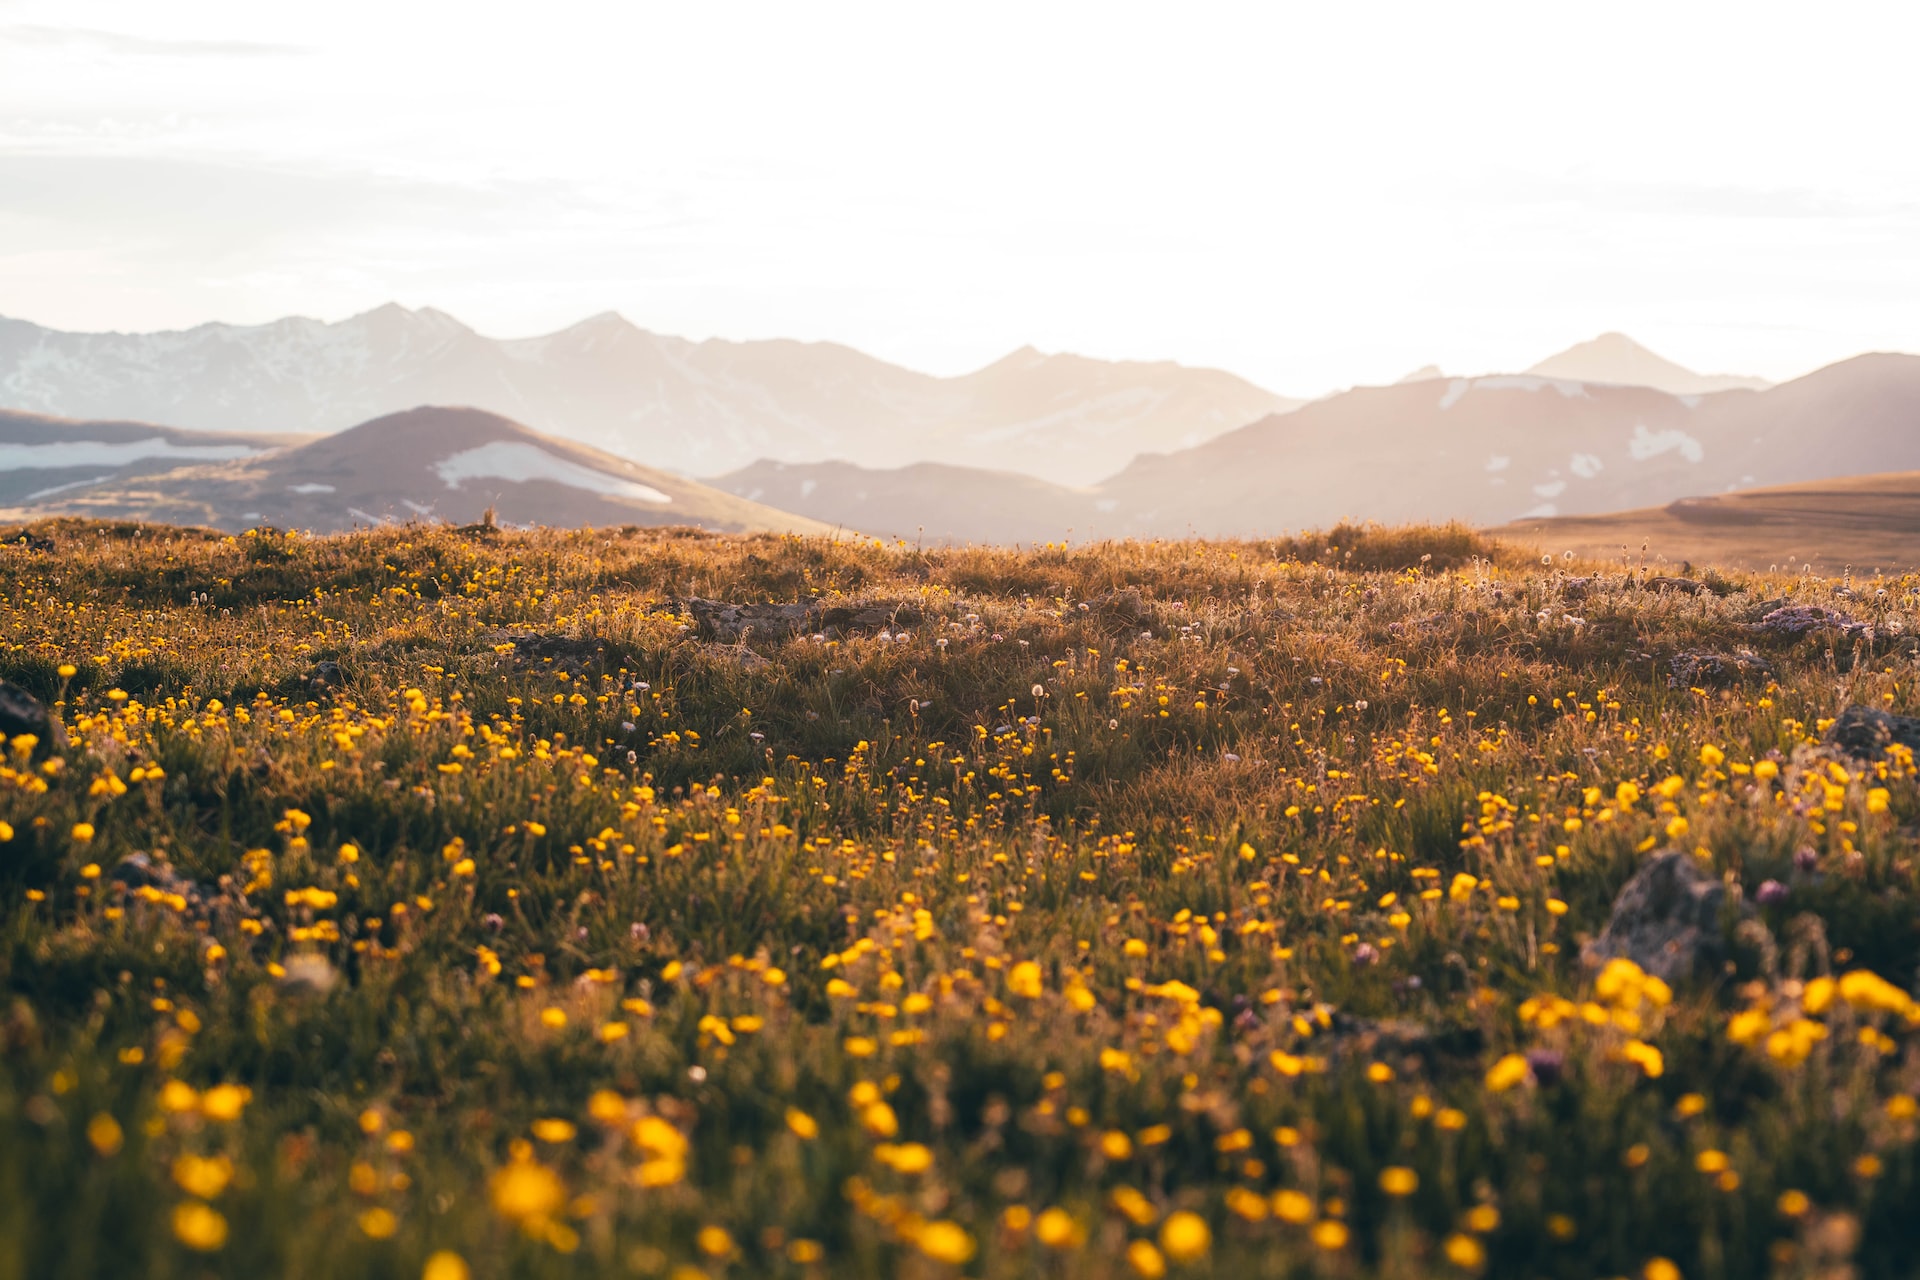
<point>199,1226</point>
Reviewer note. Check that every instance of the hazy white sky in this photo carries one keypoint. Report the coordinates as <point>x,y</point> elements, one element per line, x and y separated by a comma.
<point>1310,195</point>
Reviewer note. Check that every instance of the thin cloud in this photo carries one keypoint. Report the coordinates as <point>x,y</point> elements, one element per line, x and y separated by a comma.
<point>122,45</point>
<point>1681,198</point>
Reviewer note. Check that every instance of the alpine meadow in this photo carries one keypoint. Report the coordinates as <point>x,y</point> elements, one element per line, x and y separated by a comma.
<point>455,901</point>
<point>865,641</point>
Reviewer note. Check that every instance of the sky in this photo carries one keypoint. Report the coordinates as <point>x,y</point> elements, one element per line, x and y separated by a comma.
<point>1313,196</point>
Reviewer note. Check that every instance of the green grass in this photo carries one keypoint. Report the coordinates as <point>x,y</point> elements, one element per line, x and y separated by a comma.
<point>900,826</point>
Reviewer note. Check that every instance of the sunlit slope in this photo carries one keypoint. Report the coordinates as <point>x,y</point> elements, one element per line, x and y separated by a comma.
<point>1863,521</point>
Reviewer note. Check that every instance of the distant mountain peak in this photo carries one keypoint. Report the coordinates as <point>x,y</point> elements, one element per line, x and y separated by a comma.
<point>1425,373</point>
<point>1025,357</point>
<point>604,320</point>
<point>1615,358</point>
<point>393,318</point>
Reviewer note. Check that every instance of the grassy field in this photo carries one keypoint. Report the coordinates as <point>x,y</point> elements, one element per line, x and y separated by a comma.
<point>1176,909</point>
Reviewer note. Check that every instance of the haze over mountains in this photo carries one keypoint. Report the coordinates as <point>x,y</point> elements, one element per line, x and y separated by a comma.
<point>1493,449</point>
<point>813,435</point>
<point>696,407</point>
<point>1486,450</point>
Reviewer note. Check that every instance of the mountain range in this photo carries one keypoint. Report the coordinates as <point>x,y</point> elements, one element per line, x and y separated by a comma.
<point>698,408</point>
<point>294,429</point>
<point>1486,450</point>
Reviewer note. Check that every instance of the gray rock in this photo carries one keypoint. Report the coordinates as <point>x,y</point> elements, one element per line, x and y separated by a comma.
<point>327,675</point>
<point>21,712</point>
<point>1670,919</point>
<point>1866,732</point>
<point>730,623</point>
<point>1704,668</point>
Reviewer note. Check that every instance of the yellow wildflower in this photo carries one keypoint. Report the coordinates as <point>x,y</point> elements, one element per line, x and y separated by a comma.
<point>1185,1236</point>
<point>199,1226</point>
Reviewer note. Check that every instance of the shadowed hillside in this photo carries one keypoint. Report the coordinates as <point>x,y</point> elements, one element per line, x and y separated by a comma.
<point>425,464</point>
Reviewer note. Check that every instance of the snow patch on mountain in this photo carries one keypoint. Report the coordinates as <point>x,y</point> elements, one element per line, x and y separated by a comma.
<point>38,494</point>
<point>103,453</point>
<point>518,461</point>
<point>1647,444</point>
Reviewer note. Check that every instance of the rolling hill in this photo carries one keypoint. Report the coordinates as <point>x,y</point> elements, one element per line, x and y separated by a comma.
<point>695,407</point>
<point>428,463</point>
<point>1869,522</point>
